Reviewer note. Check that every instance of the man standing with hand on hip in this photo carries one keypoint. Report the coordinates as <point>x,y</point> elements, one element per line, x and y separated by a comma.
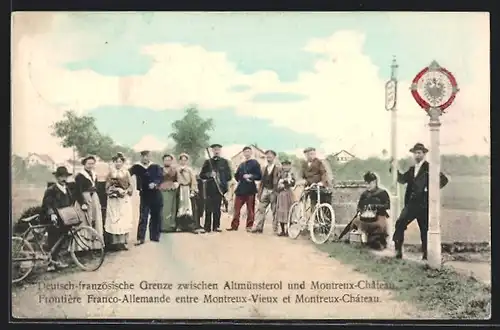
<point>247,173</point>
<point>268,192</point>
<point>416,199</point>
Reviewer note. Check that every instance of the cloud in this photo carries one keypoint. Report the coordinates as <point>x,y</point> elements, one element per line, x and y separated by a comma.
<point>149,142</point>
<point>278,97</point>
<point>344,105</point>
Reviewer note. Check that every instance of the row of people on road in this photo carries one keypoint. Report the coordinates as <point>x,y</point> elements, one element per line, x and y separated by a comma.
<point>167,196</point>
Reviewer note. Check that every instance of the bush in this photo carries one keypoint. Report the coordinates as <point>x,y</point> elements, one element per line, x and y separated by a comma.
<point>19,226</point>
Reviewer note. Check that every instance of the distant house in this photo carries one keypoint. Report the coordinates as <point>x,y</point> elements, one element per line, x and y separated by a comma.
<point>34,159</point>
<point>343,157</point>
<point>258,154</point>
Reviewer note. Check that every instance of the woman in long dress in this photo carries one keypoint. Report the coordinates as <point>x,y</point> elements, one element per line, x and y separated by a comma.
<point>169,191</point>
<point>87,200</point>
<point>188,189</point>
<point>285,196</point>
<point>372,207</point>
<point>119,207</point>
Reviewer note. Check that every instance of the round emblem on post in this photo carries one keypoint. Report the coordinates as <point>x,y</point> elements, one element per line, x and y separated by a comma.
<point>434,87</point>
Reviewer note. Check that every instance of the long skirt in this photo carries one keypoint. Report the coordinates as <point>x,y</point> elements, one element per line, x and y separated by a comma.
<point>376,231</point>
<point>168,223</point>
<point>92,218</point>
<point>119,219</point>
<point>284,201</point>
<point>185,220</point>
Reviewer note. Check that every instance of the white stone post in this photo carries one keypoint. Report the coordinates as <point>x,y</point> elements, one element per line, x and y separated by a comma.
<point>434,233</point>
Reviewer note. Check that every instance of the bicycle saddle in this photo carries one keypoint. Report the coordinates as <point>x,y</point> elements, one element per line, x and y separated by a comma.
<point>28,219</point>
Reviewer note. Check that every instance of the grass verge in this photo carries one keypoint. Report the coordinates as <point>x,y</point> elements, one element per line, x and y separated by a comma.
<point>445,292</point>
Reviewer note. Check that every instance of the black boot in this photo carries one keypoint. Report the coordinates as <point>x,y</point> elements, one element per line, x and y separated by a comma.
<point>399,249</point>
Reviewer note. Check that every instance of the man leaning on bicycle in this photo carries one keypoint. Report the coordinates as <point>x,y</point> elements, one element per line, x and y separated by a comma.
<point>56,196</point>
<point>313,171</point>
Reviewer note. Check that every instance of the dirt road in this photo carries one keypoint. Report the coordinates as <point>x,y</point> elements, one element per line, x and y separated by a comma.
<point>213,258</point>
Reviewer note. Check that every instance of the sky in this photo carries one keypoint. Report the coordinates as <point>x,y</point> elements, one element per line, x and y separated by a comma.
<point>283,81</point>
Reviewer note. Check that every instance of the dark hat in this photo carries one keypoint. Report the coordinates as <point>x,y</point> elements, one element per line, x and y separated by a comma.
<point>419,146</point>
<point>61,171</point>
<point>216,145</point>
<point>286,162</point>
<point>145,152</point>
<point>118,155</point>
<point>306,150</point>
<point>247,148</point>
<point>272,152</point>
<point>84,160</point>
<point>369,177</point>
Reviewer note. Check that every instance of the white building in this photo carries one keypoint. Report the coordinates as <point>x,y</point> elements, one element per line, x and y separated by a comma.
<point>34,159</point>
<point>343,157</point>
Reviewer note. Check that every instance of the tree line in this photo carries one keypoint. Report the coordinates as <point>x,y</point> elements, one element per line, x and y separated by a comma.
<point>191,134</point>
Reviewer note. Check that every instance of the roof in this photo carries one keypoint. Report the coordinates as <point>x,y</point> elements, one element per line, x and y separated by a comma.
<point>253,146</point>
<point>347,152</point>
<point>45,158</point>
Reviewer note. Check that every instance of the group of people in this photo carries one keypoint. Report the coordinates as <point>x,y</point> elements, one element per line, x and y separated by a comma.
<point>169,194</point>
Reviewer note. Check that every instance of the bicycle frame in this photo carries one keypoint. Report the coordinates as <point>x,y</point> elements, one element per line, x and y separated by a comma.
<point>305,194</point>
<point>47,256</point>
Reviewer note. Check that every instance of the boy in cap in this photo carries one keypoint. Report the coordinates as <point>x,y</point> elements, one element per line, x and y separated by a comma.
<point>246,174</point>
<point>416,199</point>
<point>149,177</point>
<point>57,196</point>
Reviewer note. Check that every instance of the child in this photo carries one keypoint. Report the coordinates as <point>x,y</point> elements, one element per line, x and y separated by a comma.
<point>285,196</point>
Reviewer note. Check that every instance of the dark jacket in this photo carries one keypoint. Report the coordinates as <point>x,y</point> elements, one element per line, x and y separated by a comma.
<point>54,199</point>
<point>153,173</point>
<point>221,166</point>
<point>377,200</point>
<point>245,187</point>
<point>84,183</point>
<point>417,187</point>
<point>315,173</point>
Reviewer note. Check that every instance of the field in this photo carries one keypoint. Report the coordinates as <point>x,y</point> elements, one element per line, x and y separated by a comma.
<point>465,213</point>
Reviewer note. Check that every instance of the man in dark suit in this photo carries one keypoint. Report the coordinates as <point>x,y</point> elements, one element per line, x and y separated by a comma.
<point>416,199</point>
<point>56,196</point>
<point>217,173</point>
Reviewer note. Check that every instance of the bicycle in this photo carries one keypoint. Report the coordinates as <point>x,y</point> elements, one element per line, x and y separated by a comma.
<point>321,218</point>
<point>81,243</point>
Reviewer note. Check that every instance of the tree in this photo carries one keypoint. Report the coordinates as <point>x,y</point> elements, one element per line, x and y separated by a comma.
<point>81,133</point>
<point>190,134</point>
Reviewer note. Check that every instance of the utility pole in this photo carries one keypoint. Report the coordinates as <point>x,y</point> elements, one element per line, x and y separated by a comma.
<point>391,95</point>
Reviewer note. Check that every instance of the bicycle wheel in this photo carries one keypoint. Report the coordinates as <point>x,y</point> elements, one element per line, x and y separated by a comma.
<point>86,248</point>
<point>323,223</point>
<point>23,259</point>
<point>295,219</point>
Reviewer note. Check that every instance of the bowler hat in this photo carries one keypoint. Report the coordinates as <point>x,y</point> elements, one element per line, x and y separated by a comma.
<point>84,160</point>
<point>216,145</point>
<point>61,171</point>
<point>419,147</point>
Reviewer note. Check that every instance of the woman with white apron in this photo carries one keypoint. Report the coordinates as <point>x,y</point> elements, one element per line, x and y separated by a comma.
<point>119,213</point>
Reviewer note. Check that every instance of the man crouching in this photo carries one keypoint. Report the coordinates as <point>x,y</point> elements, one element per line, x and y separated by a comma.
<point>372,209</point>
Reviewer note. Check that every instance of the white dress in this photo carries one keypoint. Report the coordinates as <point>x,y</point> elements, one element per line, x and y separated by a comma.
<point>119,215</point>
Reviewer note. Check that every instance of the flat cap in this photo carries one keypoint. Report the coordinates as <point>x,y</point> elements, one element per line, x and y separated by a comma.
<point>306,150</point>
<point>216,145</point>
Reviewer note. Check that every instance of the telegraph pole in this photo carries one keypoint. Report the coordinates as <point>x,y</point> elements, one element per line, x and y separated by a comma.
<point>391,89</point>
